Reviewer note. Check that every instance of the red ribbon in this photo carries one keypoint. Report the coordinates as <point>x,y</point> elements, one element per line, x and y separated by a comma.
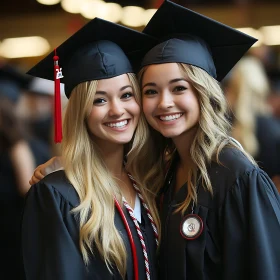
<point>57,101</point>
<point>131,241</point>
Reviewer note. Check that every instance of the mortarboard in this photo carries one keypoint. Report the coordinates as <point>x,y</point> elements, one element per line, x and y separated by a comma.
<point>12,81</point>
<point>99,50</point>
<point>191,38</point>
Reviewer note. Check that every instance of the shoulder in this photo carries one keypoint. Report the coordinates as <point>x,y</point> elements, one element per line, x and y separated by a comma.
<point>57,185</point>
<point>232,162</point>
<point>224,175</point>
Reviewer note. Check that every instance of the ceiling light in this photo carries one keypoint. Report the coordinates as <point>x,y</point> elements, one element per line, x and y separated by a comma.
<point>48,2</point>
<point>254,33</point>
<point>133,16</point>
<point>96,8</point>
<point>24,47</point>
<point>271,34</point>
<point>72,6</point>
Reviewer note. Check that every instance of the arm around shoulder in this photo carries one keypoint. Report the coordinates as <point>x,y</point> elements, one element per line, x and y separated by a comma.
<point>53,164</point>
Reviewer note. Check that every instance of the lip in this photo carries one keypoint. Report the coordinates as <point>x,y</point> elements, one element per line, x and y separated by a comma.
<point>170,122</point>
<point>118,128</point>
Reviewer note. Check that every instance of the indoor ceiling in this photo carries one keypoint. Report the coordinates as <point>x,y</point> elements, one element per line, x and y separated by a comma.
<point>19,18</point>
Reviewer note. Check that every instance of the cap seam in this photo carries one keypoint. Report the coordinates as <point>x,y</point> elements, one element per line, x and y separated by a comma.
<point>99,52</point>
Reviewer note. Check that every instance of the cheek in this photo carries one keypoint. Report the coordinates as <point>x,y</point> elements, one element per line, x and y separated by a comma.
<point>196,107</point>
<point>93,117</point>
<point>148,107</point>
<point>191,104</point>
<point>137,110</point>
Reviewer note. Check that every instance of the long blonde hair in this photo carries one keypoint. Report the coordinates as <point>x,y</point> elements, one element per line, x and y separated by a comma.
<point>92,180</point>
<point>210,138</point>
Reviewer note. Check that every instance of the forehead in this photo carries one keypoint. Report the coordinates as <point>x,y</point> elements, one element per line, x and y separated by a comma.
<point>113,84</point>
<point>162,72</point>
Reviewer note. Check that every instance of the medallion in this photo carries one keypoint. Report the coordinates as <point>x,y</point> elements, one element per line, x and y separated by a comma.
<point>191,226</point>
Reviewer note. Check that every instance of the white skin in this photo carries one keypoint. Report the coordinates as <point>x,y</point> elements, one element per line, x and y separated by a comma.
<point>171,107</point>
<point>115,113</point>
<point>112,121</point>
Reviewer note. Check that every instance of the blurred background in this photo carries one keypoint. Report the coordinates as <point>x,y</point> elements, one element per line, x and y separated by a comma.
<point>53,21</point>
<point>30,29</point>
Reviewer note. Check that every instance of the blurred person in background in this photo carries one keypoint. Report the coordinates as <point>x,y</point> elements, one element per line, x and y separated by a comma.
<point>274,102</point>
<point>274,97</point>
<point>254,125</point>
<point>16,165</point>
<point>36,110</point>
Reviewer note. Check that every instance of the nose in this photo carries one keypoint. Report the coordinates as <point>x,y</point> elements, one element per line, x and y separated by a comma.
<point>165,100</point>
<point>116,109</point>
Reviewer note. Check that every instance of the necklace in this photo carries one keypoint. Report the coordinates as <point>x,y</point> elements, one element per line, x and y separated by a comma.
<point>191,225</point>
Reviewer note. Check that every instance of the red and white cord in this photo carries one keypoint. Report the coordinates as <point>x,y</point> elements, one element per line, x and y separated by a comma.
<point>141,238</point>
<point>146,207</point>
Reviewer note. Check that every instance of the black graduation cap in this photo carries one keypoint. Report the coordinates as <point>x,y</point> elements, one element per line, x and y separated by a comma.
<point>99,50</point>
<point>12,82</point>
<point>191,38</point>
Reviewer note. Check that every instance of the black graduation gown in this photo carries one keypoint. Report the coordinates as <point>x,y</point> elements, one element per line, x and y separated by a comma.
<point>268,135</point>
<point>241,235</point>
<point>50,236</point>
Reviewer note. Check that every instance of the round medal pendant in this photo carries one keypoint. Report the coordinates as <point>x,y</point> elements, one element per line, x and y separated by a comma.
<point>191,226</point>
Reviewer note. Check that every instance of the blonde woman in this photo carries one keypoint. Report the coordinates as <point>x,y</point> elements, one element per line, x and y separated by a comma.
<point>254,126</point>
<point>220,213</point>
<point>93,220</point>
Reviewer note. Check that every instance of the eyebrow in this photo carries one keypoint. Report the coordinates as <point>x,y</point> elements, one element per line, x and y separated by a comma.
<point>177,80</point>
<point>170,82</point>
<point>149,84</point>
<point>121,89</point>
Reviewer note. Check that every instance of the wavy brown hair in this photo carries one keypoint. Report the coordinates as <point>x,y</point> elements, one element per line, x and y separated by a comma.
<point>211,137</point>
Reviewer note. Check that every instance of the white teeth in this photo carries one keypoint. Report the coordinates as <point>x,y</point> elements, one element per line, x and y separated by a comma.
<point>118,124</point>
<point>171,117</point>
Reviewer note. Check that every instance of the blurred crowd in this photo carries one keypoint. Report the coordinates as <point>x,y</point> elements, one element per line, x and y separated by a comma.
<point>252,89</point>
<point>25,142</point>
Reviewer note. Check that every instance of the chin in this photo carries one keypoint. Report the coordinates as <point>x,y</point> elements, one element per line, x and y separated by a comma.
<point>123,140</point>
<point>170,134</point>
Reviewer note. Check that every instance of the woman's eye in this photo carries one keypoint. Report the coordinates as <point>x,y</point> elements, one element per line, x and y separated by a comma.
<point>127,95</point>
<point>149,92</point>
<point>99,101</point>
<point>180,88</point>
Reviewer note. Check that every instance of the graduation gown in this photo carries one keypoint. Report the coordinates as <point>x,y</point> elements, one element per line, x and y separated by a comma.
<point>268,135</point>
<point>50,236</point>
<point>241,235</point>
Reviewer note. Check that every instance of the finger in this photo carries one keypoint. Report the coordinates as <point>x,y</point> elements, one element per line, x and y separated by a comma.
<point>39,173</point>
<point>33,180</point>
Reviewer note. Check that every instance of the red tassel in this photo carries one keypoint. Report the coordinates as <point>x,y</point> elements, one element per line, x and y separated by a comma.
<point>57,100</point>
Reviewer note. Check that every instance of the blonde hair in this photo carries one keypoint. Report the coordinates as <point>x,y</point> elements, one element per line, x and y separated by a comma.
<point>210,138</point>
<point>247,91</point>
<point>92,180</point>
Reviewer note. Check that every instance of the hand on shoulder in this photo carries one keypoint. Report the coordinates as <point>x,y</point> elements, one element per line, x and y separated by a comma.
<point>44,169</point>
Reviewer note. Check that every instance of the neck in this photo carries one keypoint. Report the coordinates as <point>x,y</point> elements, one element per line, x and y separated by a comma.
<point>113,158</point>
<point>183,145</point>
